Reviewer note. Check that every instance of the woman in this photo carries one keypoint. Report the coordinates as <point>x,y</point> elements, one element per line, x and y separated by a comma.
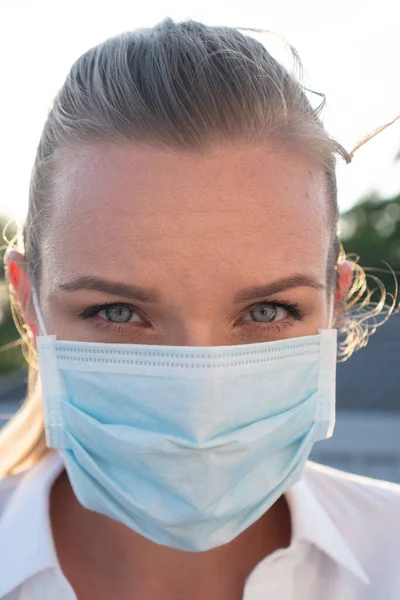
<point>180,279</point>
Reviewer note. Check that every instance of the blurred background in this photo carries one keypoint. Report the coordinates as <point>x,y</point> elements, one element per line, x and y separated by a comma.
<point>351,55</point>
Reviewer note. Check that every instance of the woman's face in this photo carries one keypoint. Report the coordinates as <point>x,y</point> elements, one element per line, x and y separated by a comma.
<point>153,246</point>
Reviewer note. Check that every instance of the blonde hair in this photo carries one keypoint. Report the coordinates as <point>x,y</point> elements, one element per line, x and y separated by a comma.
<point>178,85</point>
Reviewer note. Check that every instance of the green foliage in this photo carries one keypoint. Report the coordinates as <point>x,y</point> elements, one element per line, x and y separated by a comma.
<point>11,356</point>
<point>371,229</point>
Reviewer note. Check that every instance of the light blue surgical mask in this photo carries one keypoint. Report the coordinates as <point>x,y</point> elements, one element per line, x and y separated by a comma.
<point>188,446</point>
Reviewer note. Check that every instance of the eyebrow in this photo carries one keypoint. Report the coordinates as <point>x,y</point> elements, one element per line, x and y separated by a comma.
<point>280,285</point>
<point>141,294</point>
<point>113,288</point>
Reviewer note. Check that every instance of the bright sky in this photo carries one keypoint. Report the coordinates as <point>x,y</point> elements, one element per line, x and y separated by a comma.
<point>350,50</point>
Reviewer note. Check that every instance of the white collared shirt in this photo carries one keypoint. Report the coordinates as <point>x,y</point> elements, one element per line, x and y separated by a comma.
<point>345,540</point>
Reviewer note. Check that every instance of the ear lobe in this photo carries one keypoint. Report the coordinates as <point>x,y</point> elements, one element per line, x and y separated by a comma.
<point>344,281</point>
<point>13,274</point>
<point>18,278</point>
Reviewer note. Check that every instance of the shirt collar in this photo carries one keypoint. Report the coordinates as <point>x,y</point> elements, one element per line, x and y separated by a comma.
<point>25,525</point>
<point>311,523</point>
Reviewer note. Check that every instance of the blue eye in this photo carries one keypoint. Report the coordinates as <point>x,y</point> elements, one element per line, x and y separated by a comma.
<point>267,313</point>
<point>119,313</point>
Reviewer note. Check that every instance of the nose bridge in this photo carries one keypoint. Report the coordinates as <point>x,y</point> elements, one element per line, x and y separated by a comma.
<point>195,333</point>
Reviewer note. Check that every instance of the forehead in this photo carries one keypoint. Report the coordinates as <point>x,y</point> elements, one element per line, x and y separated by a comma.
<point>123,209</point>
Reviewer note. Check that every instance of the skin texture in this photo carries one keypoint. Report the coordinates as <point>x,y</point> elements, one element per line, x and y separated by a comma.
<point>194,230</point>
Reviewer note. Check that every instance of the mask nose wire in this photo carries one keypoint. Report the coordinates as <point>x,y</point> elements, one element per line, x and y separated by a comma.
<point>35,301</point>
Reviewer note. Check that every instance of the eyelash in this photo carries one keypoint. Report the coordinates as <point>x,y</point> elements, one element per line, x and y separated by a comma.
<point>91,312</point>
<point>294,310</point>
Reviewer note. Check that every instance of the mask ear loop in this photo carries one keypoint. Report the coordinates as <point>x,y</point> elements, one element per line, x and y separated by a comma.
<point>35,301</point>
<point>52,383</point>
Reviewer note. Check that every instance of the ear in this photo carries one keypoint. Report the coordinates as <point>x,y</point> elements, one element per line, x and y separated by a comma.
<point>344,280</point>
<point>17,276</point>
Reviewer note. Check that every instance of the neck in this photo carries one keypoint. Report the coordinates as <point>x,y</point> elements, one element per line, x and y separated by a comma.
<point>131,566</point>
